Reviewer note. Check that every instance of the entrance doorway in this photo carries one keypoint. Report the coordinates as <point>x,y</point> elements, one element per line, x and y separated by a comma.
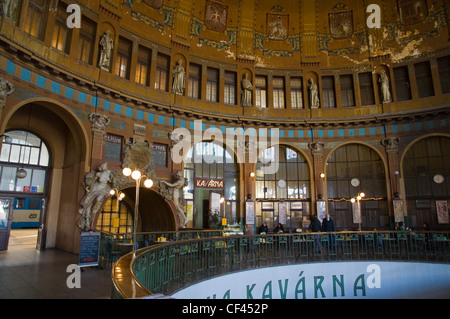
<point>207,203</point>
<point>5,221</point>
<point>24,170</point>
<point>27,222</point>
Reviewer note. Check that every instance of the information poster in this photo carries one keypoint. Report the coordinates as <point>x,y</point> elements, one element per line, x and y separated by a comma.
<point>398,210</point>
<point>250,213</point>
<point>89,249</point>
<point>282,211</point>
<point>190,210</point>
<point>321,209</point>
<point>356,212</point>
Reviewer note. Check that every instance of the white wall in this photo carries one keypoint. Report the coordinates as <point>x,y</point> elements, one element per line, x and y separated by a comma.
<point>371,280</point>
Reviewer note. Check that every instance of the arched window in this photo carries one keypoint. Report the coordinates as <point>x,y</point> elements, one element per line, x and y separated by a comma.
<point>426,174</point>
<point>284,196</point>
<point>212,172</point>
<point>351,169</point>
<point>24,163</point>
<point>291,179</point>
<point>116,217</point>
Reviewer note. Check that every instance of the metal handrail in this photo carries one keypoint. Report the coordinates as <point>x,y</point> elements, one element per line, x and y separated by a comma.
<point>168,267</point>
<point>115,245</point>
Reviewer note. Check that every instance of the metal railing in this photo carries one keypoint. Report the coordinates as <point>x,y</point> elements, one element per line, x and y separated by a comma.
<point>167,267</point>
<point>114,245</point>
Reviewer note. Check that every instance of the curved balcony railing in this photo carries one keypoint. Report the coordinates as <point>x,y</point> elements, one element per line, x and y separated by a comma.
<point>115,245</point>
<point>162,269</point>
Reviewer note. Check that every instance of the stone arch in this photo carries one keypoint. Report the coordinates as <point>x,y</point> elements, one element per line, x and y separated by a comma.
<point>68,141</point>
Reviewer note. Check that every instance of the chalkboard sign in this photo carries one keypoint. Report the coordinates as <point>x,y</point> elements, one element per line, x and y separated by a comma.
<point>89,248</point>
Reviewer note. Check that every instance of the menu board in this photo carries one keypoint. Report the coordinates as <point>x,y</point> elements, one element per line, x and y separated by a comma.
<point>89,249</point>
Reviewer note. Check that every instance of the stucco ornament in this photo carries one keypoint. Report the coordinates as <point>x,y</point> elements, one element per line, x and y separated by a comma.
<point>6,88</point>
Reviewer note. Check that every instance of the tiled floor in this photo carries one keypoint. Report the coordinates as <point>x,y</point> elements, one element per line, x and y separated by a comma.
<point>27,273</point>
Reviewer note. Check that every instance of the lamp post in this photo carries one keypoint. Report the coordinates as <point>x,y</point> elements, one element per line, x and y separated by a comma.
<point>322,176</point>
<point>138,177</point>
<point>358,198</point>
<point>119,195</point>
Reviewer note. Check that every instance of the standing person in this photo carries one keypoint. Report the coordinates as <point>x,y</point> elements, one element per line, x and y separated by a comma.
<point>427,229</point>
<point>328,226</point>
<point>316,227</point>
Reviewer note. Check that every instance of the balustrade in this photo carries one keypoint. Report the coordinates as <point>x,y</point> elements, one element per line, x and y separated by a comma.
<point>169,266</point>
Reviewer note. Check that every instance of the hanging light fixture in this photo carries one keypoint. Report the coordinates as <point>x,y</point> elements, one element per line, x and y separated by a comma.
<point>21,173</point>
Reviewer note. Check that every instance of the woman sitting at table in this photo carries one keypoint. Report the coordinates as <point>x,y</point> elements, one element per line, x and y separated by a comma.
<point>279,229</point>
<point>263,229</point>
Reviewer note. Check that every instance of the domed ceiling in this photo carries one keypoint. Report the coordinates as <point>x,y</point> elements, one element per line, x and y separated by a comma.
<point>288,34</point>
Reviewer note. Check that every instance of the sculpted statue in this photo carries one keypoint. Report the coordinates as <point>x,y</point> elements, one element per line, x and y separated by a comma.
<point>247,90</point>
<point>179,78</point>
<point>384,81</point>
<point>107,46</point>
<point>174,191</point>
<point>97,186</point>
<point>313,94</point>
<point>9,6</point>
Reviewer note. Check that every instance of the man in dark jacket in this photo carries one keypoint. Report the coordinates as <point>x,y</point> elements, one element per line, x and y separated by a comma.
<point>328,226</point>
<point>316,227</point>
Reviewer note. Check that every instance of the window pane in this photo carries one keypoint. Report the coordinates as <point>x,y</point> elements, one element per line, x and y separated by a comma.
<point>38,178</point>
<point>24,182</point>
<point>402,83</point>
<point>328,91</point>
<point>424,79</point>
<point>8,179</point>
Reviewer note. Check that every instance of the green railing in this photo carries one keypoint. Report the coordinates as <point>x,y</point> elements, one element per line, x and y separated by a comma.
<point>167,267</point>
<point>113,246</point>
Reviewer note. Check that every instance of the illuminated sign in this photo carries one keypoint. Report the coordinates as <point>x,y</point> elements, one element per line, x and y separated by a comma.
<point>209,183</point>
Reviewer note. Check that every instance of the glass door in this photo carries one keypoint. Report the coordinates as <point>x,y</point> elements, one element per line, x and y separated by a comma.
<point>5,221</point>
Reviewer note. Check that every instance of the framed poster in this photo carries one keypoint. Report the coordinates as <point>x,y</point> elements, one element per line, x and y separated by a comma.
<point>190,209</point>
<point>442,211</point>
<point>356,208</point>
<point>398,210</point>
<point>282,212</point>
<point>250,213</point>
<point>321,209</point>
